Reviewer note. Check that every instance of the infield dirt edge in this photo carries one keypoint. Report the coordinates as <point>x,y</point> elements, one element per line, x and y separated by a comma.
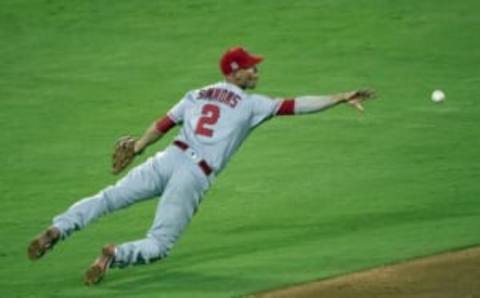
<point>452,274</point>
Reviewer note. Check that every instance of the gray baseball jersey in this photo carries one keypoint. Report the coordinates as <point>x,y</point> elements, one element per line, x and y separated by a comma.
<point>217,119</point>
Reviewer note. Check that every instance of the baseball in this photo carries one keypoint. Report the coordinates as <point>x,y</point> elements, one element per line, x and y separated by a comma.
<point>438,96</point>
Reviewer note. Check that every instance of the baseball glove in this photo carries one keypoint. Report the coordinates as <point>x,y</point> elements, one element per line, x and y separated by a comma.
<point>123,153</point>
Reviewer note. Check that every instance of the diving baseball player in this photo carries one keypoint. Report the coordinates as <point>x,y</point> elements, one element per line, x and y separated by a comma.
<point>216,120</point>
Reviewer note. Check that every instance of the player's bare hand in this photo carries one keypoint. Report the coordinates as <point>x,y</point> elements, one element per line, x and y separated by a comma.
<point>357,97</point>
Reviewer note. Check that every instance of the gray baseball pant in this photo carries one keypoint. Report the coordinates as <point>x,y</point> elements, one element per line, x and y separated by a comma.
<point>170,174</point>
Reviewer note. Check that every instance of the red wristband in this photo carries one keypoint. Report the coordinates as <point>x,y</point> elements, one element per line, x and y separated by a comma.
<point>165,124</point>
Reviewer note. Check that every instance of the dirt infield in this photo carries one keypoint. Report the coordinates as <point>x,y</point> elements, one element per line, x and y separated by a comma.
<point>449,275</point>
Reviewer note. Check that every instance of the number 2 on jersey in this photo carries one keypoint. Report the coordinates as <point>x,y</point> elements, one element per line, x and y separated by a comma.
<point>210,115</point>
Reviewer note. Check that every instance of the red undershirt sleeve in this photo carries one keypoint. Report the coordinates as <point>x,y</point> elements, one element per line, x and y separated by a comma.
<point>287,107</point>
<point>164,124</point>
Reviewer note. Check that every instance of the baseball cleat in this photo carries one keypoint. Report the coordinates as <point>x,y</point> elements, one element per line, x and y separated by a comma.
<point>98,269</point>
<point>43,242</point>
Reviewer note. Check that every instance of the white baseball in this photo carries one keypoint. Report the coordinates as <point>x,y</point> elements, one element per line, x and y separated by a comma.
<point>438,96</point>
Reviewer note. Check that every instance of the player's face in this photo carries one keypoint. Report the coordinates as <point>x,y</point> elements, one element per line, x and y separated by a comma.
<point>246,78</point>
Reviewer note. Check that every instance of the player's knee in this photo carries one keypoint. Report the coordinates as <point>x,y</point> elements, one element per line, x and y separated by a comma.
<point>113,199</point>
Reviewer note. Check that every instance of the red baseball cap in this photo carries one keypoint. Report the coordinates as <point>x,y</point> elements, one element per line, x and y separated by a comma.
<point>238,58</point>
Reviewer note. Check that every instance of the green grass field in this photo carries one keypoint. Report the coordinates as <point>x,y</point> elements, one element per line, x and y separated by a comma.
<point>305,197</point>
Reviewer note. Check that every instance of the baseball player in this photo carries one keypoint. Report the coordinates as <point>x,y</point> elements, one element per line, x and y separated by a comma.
<point>215,120</point>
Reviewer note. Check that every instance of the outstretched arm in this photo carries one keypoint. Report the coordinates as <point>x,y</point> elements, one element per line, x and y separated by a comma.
<point>154,133</point>
<point>314,104</point>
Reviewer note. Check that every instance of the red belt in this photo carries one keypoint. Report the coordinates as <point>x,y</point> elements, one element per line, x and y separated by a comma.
<point>202,164</point>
